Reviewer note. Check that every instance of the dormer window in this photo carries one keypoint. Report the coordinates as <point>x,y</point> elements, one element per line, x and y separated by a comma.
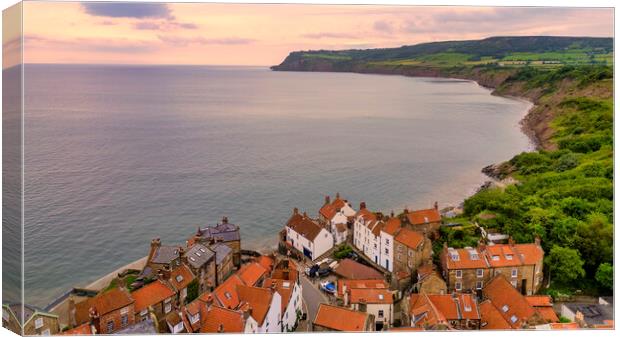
<point>179,278</point>
<point>513,319</point>
<point>454,256</point>
<point>509,257</point>
<point>495,257</point>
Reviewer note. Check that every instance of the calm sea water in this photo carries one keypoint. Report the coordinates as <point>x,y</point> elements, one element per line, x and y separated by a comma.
<point>117,155</point>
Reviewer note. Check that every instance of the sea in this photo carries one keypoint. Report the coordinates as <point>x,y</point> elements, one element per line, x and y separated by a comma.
<point>116,155</point>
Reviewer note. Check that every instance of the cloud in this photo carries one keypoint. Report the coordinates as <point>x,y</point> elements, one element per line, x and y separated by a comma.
<point>383,26</point>
<point>96,45</point>
<point>163,25</point>
<point>324,35</point>
<point>183,41</point>
<point>127,10</point>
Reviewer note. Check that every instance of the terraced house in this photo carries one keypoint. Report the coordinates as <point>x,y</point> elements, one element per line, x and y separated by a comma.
<point>469,269</point>
<point>336,216</point>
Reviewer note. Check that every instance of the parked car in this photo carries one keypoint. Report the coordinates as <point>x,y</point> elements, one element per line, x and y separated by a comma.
<point>324,272</point>
<point>311,272</point>
<point>353,256</point>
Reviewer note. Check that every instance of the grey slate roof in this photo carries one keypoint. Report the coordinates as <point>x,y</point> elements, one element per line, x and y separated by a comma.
<point>145,327</point>
<point>592,313</point>
<point>225,231</point>
<point>198,255</point>
<point>165,254</point>
<point>221,250</point>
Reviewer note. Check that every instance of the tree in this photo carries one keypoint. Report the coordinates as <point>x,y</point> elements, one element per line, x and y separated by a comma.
<point>565,264</point>
<point>192,290</point>
<point>605,275</point>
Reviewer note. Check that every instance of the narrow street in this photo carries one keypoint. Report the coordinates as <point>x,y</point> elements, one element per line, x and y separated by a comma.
<point>312,297</point>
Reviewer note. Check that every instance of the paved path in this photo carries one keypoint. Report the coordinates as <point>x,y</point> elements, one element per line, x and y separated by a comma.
<point>312,297</point>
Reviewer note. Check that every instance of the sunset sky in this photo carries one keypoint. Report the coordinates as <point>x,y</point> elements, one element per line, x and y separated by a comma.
<point>194,33</point>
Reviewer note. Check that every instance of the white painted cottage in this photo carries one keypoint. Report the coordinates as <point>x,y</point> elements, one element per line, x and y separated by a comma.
<point>308,236</point>
<point>336,215</point>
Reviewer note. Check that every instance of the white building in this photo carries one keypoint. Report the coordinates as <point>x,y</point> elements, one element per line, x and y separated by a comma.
<point>307,236</point>
<point>336,215</point>
<point>387,234</point>
<point>377,302</point>
<point>264,305</point>
<point>366,233</point>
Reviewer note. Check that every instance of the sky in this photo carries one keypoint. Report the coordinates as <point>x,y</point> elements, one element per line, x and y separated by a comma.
<point>264,34</point>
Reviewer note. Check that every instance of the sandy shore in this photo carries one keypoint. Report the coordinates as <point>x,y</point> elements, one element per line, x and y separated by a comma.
<point>105,280</point>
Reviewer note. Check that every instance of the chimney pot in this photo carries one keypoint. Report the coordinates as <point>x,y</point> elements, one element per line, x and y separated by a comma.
<point>225,220</point>
<point>362,205</point>
<point>337,195</point>
<point>295,210</point>
<point>327,199</point>
<point>436,205</point>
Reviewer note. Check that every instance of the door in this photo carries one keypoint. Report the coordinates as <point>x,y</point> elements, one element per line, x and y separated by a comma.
<point>308,253</point>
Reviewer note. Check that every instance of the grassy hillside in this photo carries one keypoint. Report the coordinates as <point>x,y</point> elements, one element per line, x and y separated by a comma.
<point>564,191</point>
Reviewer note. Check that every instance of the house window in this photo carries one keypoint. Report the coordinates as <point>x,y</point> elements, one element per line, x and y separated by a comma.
<point>193,319</point>
<point>387,251</point>
<point>168,308</point>
<point>459,274</point>
<point>110,326</point>
<point>380,313</point>
<point>514,283</point>
<point>124,320</point>
<point>410,253</point>
<point>400,248</point>
<point>478,284</point>
<point>387,241</point>
<point>399,257</point>
<point>480,272</point>
<point>514,272</point>
<point>45,332</point>
<point>457,286</point>
<point>38,323</point>
<point>410,264</point>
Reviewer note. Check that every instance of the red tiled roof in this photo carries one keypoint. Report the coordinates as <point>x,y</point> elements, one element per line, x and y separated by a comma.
<point>510,303</point>
<point>305,226</point>
<point>361,284</point>
<point>539,300</point>
<point>251,273</point>
<point>259,299</point>
<point>284,288</point>
<point>328,211</point>
<point>151,294</point>
<point>181,277</point>
<point>392,225</point>
<point>83,329</point>
<point>352,270</point>
<point>215,317</point>
<point>266,262</point>
<point>226,293</point>
<point>340,319</point>
<point>455,307</point>
<point>194,307</point>
<point>105,302</point>
<point>502,256</point>
<point>366,214</point>
<point>530,253</point>
<point>491,318</point>
<point>372,296</point>
<point>423,216</point>
<point>548,314</point>
<point>409,238</point>
<point>465,259</point>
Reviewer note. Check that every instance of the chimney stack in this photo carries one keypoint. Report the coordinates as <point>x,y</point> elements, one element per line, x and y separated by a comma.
<point>511,241</point>
<point>225,220</point>
<point>392,214</point>
<point>327,199</point>
<point>362,205</point>
<point>406,211</point>
<point>337,195</point>
<point>305,215</point>
<point>537,240</point>
<point>295,210</point>
<point>436,206</point>
<point>482,246</point>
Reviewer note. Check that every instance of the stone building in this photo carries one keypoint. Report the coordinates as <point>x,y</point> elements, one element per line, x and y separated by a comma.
<point>439,312</point>
<point>411,249</point>
<point>224,266</point>
<point>424,220</point>
<point>469,269</point>
<point>154,301</point>
<point>429,281</point>
<point>333,318</point>
<point>223,232</point>
<point>107,312</point>
<point>202,262</point>
<point>36,321</point>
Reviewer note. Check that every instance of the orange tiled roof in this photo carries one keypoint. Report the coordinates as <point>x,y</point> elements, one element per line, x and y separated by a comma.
<point>151,294</point>
<point>548,314</point>
<point>328,211</point>
<point>392,225</point>
<point>467,258</point>
<point>491,318</point>
<point>361,284</point>
<point>366,214</point>
<point>305,226</point>
<point>423,216</point>
<point>352,270</point>
<point>530,253</point>
<point>511,304</point>
<point>259,299</point>
<point>266,262</point>
<point>194,307</point>
<point>83,329</point>
<point>105,302</point>
<point>340,319</point>
<point>284,288</point>
<point>539,300</point>
<point>424,312</point>
<point>226,293</point>
<point>372,296</point>
<point>181,277</point>
<point>251,273</point>
<point>409,238</point>
<point>214,318</point>
<point>502,256</point>
<point>455,307</point>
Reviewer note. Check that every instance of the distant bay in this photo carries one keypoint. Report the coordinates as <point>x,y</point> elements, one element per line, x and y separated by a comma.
<point>117,155</point>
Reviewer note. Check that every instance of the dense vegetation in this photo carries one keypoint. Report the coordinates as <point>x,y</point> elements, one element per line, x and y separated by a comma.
<point>564,196</point>
<point>564,192</point>
<point>541,51</point>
